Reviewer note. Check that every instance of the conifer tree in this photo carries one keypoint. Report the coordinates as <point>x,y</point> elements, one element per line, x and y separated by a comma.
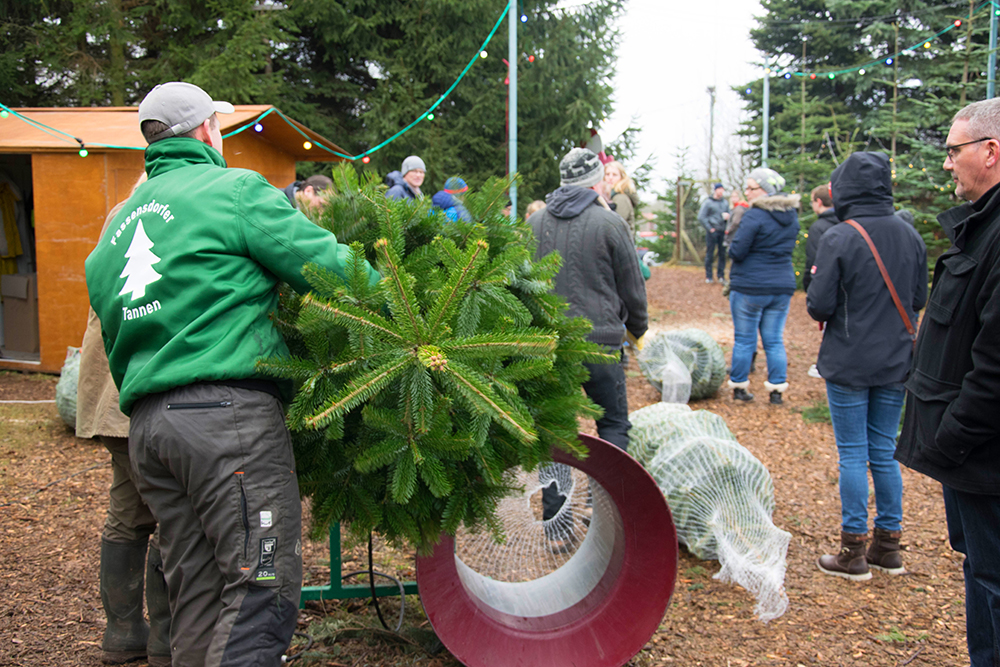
<point>417,395</point>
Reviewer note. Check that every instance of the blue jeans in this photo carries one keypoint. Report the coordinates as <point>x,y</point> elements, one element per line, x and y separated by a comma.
<point>713,242</point>
<point>972,530</point>
<point>865,423</point>
<point>766,312</point>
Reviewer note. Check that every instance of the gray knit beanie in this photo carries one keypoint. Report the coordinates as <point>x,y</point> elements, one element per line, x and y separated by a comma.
<point>581,167</point>
<point>768,179</point>
<point>411,163</point>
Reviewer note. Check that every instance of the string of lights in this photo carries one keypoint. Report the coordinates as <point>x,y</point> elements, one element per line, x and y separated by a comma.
<point>888,60</point>
<point>256,125</point>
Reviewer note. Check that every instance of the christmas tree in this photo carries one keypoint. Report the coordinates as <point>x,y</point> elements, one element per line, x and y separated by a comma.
<point>417,396</point>
<point>139,271</point>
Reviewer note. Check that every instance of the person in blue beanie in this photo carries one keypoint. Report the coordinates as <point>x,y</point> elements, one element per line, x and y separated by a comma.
<point>449,199</point>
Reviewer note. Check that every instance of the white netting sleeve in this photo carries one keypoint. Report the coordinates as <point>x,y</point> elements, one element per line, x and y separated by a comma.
<point>696,350</point>
<point>720,495</point>
<point>665,370</point>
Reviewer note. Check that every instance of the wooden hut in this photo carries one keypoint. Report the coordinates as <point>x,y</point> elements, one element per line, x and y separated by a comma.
<point>68,167</point>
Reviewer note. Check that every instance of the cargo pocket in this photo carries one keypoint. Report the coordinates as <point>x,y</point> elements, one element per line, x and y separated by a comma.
<point>931,398</point>
<point>950,288</point>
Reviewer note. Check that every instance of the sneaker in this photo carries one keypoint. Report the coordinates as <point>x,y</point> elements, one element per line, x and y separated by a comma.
<point>741,394</point>
<point>813,372</point>
<point>776,398</point>
<point>708,280</point>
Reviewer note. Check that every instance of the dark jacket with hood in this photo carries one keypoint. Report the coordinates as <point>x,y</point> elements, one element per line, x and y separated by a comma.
<point>452,208</point>
<point>952,427</point>
<point>398,188</point>
<point>600,275</point>
<point>762,247</point>
<point>824,222</point>
<point>865,342</point>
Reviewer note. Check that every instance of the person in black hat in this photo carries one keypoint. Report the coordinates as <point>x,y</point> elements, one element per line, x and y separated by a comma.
<point>713,216</point>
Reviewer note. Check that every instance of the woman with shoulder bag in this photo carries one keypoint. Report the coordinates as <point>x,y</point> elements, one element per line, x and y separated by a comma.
<point>869,281</point>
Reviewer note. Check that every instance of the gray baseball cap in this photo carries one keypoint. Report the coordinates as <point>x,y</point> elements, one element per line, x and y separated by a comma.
<point>180,106</point>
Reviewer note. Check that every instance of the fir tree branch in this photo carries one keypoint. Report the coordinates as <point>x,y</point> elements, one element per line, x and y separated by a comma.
<point>352,317</point>
<point>359,390</point>
<point>403,296</point>
<point>478,391</point>
<point>456,288</point>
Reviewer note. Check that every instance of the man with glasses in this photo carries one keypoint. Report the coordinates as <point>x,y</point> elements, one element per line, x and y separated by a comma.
<point>951,431</point>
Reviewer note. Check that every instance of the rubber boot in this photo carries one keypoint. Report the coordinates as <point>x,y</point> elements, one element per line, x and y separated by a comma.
<point>122,571</point>
<point>850,563</point>
<point>884,553</point>
<point>158,606</point>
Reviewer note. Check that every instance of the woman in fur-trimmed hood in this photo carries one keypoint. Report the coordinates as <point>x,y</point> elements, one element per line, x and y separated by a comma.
<point>762,281</point>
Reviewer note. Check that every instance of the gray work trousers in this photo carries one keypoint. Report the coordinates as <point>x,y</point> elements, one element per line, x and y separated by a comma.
<point>129,518</point>
<point>215,465</point>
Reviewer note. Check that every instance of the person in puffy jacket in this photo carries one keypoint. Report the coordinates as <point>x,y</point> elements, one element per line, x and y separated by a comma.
<point>762,282</point>
<point>449,199</point>
<point>405,183</point>
<point>865,355</point>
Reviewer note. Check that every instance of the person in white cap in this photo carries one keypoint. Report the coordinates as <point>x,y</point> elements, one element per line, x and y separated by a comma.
<point>405,183</point>
<point>184,281</point>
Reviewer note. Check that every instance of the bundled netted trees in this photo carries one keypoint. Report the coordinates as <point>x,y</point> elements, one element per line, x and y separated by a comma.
<point>417,395</point>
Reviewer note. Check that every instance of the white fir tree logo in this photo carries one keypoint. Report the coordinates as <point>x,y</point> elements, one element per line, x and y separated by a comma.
<point>138,271</point>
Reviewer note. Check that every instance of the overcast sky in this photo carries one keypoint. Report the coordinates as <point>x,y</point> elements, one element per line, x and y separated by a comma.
<point>670,53</point>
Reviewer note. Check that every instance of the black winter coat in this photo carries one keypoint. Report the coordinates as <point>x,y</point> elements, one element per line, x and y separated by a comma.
<point>824,222</point>
<point>600,275</point>
<point>865,342</point>
<point>952,427</point>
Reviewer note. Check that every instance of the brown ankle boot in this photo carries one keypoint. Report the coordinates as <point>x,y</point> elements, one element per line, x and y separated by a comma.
<point>850,563</point>
<point>884,553</point>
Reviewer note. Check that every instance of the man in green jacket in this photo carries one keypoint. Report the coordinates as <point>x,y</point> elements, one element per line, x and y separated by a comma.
<point>184,281</point>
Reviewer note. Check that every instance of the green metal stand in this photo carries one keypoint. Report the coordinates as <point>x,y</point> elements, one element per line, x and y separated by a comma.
<point>336,590</point>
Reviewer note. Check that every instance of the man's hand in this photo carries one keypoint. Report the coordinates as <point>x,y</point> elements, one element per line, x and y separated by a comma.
<point>712,229</point>
<point>725,216</point>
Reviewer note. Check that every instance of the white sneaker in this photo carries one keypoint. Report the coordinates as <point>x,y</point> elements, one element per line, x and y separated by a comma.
<point>814,373</point>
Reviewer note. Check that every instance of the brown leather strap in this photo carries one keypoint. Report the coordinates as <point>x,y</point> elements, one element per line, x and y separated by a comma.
<point>885,277</point>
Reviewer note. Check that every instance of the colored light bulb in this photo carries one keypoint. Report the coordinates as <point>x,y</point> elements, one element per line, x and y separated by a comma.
<point>483,54</point>
<point>812,76</point>
<point>430,116</point>
<point>307,145</point>
<point>861,71</point>
<point>258,128</point>
<point>366,159</point>
<point>531,59</point>
<point>83,152</point>
<point>524,19</point>
<point>888,61</point>
<point>4,114</point>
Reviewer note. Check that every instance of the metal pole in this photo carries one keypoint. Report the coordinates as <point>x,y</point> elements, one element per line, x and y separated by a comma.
<point>991,68</point>
<point>767,113</point>
<point>512,111</point>
<point>711,130</point>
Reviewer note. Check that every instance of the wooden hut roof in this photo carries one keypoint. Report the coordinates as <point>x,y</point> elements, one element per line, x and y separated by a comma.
<point>117,128</point>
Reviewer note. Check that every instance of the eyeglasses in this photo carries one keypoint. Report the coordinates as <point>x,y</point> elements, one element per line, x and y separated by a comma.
<point>952,150</point>
<point>749,189</point>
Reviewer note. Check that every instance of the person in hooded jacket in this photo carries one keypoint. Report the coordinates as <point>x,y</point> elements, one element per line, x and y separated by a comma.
<point>449,199</point>
<point>600,279</point>
<point>762,281</point>
<point>405,183</point>
<point>865,355</point>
